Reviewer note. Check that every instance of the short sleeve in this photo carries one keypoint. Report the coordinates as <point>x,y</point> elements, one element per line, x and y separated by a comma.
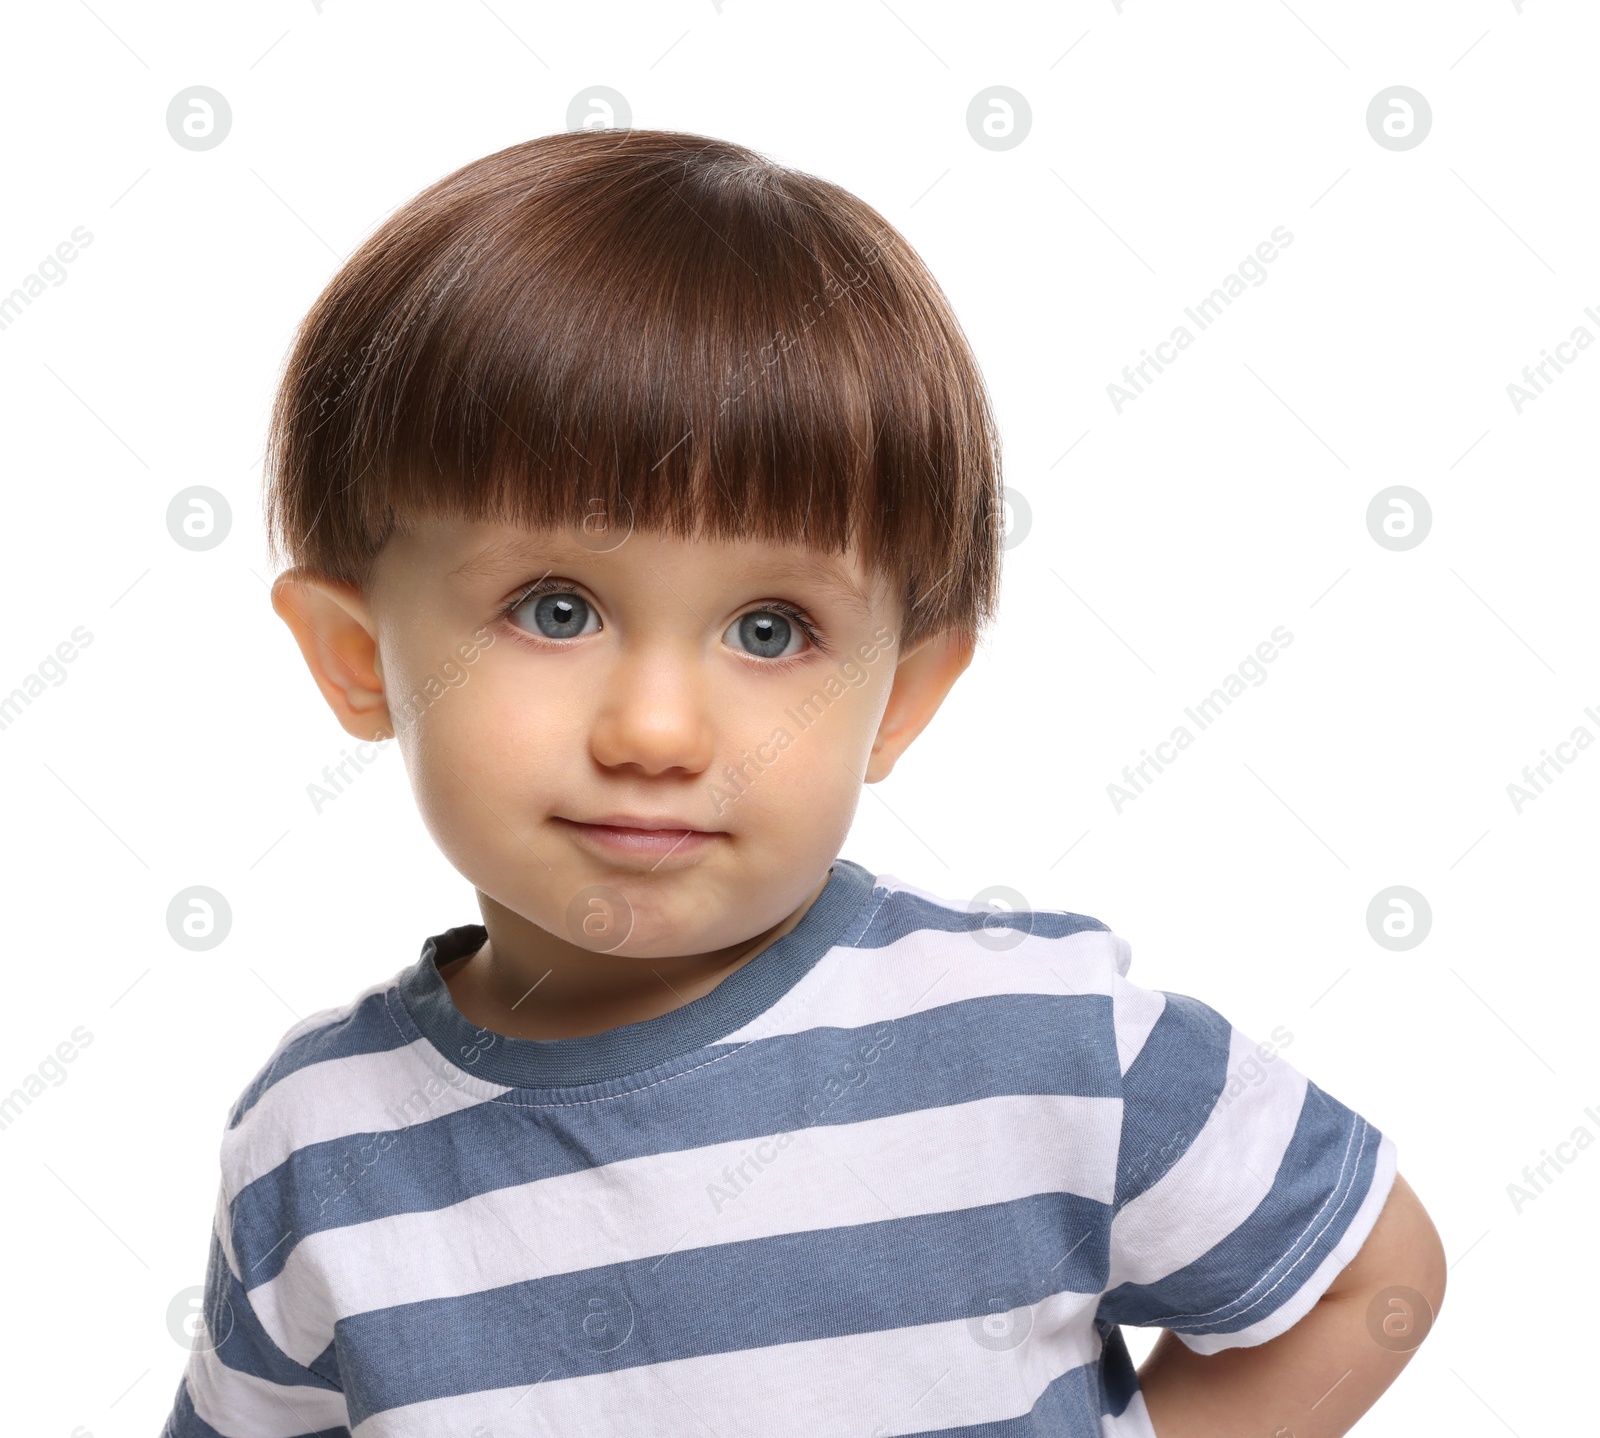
<point>238,1383</point>
<point>1242,1188</point>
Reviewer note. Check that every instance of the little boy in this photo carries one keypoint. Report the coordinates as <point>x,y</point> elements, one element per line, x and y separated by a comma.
<point>648,492</point>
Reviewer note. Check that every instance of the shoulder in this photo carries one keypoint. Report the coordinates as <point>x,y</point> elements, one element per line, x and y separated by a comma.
<point>995,945</point>
<point>998,937</point>
<point>996,919</point>
<point>343,1071</point>
<point>360,1026</point>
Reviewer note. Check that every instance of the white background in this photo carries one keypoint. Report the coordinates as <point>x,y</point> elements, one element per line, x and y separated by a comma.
<point>1166,542</point>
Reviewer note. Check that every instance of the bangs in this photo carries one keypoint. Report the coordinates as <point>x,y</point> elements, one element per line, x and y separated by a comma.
<point>643,329</point>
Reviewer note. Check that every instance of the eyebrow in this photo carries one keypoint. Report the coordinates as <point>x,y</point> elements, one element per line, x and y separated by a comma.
<point>517,551</point>
<point>821,572</point>
<point>503,554</point>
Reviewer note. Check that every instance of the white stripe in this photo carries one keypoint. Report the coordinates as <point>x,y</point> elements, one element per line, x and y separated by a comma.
<point>242,1406</point>
<point>898,1380</point>
<point>364,1093</point>
<point>854,988</point>
<point>1292,1310</point>
<point>824,1176</point>
<point>1221,1178</point>
<point>322,1019</point>
<point>1136,1011</point>
<point>964,906</point>
<point>937,901</point>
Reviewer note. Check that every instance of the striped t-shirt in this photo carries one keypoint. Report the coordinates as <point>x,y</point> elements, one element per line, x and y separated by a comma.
<point>905,1172</point>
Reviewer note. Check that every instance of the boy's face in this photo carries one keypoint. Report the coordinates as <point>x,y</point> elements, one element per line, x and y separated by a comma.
<point>554,696</point>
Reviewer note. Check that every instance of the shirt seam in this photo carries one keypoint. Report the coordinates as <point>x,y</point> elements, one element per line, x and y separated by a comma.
<point>1299,1248</point>
<point>507,1093</point>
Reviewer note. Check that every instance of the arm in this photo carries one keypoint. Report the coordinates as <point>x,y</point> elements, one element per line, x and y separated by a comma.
<point>238,1383</point>
<point>1315,1379</point>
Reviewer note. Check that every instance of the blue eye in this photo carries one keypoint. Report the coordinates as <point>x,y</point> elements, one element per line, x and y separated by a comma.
<point>559,614</point>
<point>765,633</point>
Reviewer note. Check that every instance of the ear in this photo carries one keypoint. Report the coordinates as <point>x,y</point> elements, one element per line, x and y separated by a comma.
<point>922,678</point>
<point>334,628</point>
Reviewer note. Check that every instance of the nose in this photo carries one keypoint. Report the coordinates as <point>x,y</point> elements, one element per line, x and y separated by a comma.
<point>654,715</point>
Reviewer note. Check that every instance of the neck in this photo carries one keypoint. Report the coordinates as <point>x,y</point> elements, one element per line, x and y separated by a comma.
<point>525,982</point>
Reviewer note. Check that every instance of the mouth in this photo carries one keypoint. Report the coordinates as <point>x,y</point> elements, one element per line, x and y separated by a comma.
<point>661,840</point>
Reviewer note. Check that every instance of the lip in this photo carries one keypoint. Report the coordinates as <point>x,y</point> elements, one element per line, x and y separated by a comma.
<point>657,841</point>
<point>648,823</point>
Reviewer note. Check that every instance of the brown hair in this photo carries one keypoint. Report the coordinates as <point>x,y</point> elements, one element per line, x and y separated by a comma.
<point>671,327</point>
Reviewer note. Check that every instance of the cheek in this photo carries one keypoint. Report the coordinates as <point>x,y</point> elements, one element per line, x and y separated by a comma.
<point>482,756</point>
<point>824,742</point>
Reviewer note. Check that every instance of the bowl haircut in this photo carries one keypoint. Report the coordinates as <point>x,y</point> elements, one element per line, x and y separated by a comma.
<point>665,330</point>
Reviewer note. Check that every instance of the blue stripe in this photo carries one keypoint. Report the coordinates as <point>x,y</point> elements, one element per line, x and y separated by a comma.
<point>788,1288</point>
<point>905,913</point>
<point>1118,1376</point>
<point>244,1344</point>
<point>1170,1091</point>
<point>183,1421</point>
<point>1041,1044</point>
<point>367,1029</point>
<point>1324,1175</point>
